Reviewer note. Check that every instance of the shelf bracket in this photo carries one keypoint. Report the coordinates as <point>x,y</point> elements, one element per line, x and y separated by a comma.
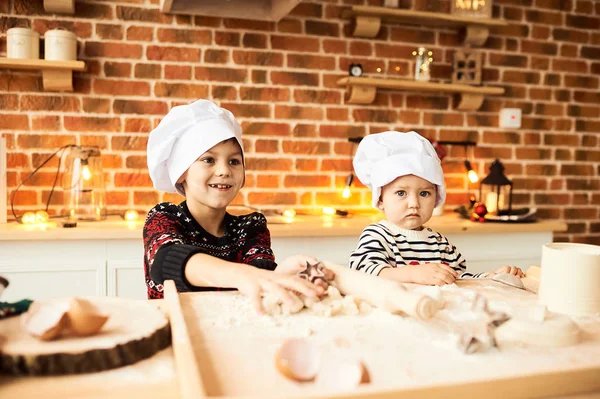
<point>476,35</point>
<point>366,26</point>
<point>470,101</point>
<point>361,94</point>
<point>57,80</point>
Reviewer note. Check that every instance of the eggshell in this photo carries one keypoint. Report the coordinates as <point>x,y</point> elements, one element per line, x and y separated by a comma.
<point>342,374</point>
<point>46,321</point>
<point>84,317</point>
<point>298,359</point>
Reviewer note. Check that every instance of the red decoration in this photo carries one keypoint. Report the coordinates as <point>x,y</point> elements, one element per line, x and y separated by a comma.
<point>479,212</point>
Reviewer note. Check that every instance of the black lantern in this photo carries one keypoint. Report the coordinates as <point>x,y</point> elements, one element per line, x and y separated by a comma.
<point>495,190</point>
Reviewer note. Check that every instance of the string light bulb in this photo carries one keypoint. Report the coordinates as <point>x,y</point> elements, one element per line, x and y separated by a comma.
<point>28,218</point>
<point>41,217</point>
<point>471,174</point>
<point>131,215</point>
<point>289,213</point>
<point>347,192</point>
<point>85,173</point>
<point>328,211</point>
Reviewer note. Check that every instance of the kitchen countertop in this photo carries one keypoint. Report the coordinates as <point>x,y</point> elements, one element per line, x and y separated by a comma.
<point>114,228</point>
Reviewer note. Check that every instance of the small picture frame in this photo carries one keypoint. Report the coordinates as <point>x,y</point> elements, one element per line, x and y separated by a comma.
<point>471,8</point>
<point>466,67</point>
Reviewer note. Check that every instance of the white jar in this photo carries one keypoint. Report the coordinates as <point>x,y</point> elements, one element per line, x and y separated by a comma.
<point>60,45</point>
<point>22,43</point>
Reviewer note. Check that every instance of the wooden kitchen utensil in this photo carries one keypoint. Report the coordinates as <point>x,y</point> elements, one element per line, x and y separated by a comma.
<point>135,330</point>
<point>385,294</point>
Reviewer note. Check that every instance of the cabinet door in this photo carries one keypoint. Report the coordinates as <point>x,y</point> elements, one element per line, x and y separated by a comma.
<point>125,269</point>
<point>50,269</point>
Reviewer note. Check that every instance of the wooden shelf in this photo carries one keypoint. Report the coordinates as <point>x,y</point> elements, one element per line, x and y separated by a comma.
<point>57,75</point>
<point>368,21</point>
<point>362,90</point>
<point>263,10</point>
<point>60,6</point>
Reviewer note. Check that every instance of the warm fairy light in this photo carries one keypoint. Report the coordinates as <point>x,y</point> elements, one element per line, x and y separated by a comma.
<point>85,173</point>
<point>41,217</point>
<point>397,68</point>
<point>346,193</point>
<point>328,211</point>
<point>131,215</point>
<point>473,178</point>
<point>28,218</point>
<point>378,69</point>
<point>289,213</point>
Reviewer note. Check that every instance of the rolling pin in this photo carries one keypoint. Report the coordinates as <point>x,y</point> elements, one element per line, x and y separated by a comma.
<point>385,294</point>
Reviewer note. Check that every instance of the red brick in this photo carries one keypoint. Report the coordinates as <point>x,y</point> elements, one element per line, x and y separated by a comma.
<point>246,24</point>
<point>117,69</point>
<point>224,92</point>
<point>136,179</point>
<point>337,114</point>
<point>148,71</point>
<point>247,110</point>
<point>180,54</point>
<point>587,155</point>
<point>584,111</point>
<point>137,125</point>
<point>267,129</point>
<point>585,184</point>
<point>272,198</point>
<point>317,96</point>
<point>221,74</point>
<point>268,181</point>
<point>336,165</point>
<point>145,198</point>
<point>121,87</point>
<point>378,116</point>
<point>102,143</point>
<point>294,78</point>
<point>501,137</point>
<point>268,164</point>
<point>287,25</point>
<point>264,94</point>
<point>129,143</point>
<point>306,165</point>
<point>14,122</point>
<point>113,50</point>
<point>587,96</point>
<point>96,105</point>
<point>140,34</point>
<point>570,35</point>
<point>140,107</point>
<point>321,28</point>
<point>361,48</point>
<point>82,30</point>
<point>590,126</point>
<point>296,112</point>
<point>305,147</point>
<point>341,131</point>
<point>109,31</point>
<point>257,58</point>
<point>227,38</point>
<point>307,10</point>
<point>268,146</point>
<point>568,50</point>
<point>180,90</point>
<point>443,119</point>
<point>177,72</point>
<point>143,15</point>
<point>44,141</point>
<point>310,62</point>
<point>584,82</point>
<point>292,181</point>
<point>136,162</point>
<point>45,123</point>
<point>335,46</point>
<point>302,130</point>
<point>295,43</point>
<point>49,103</point>
<point>581,213</point>
<point>180,36</point>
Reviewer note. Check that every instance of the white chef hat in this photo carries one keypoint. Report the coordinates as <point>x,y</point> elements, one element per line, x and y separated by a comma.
<point>184,134</point>
<point>382,157</point>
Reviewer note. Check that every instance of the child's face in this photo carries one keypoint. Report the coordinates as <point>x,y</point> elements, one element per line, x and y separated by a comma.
<point>215,178</point>
<point>408,201</point>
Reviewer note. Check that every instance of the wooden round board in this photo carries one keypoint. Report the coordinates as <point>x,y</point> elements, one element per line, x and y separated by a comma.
<point>134,331</point>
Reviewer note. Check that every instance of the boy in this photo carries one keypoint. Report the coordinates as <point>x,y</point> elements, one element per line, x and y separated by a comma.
<point>197,151</point>
<point>405,175</point>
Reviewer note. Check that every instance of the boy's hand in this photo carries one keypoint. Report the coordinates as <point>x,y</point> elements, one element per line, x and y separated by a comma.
<point>510,270</point>
<point>426,274</point>
<point>295,264</point>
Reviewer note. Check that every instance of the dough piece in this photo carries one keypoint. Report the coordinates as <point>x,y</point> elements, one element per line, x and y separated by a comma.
<point>273,306</point>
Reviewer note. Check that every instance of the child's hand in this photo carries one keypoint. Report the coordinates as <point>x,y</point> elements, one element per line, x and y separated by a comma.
<point>295,264</point>
<point>254,282</point>
<point>433,274</point>
<point>510,270</point>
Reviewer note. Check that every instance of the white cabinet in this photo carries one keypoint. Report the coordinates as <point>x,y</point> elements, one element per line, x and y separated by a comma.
<point>106,258</point>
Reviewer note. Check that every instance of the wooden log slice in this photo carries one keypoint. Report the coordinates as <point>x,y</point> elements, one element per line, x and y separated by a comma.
<point>135,330</point>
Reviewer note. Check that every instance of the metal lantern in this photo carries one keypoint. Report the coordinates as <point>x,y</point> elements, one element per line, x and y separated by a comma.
<point>495,190</point>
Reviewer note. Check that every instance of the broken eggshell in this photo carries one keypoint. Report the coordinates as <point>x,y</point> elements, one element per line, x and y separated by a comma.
<point>298,359</point>
<point>46,321</point>
<point>342,374</point>
<point>84,318</point>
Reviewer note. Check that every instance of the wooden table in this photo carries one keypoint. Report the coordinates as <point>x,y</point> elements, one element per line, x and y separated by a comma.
<point>237,340</point>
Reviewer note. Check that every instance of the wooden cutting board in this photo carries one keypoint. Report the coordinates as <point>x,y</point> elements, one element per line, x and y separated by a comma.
<point>134,331</point>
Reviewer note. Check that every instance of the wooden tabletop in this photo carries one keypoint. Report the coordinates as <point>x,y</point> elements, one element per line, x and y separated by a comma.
<point>114,228</point>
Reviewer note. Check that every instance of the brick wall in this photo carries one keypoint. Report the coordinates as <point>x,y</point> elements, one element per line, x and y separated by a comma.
<point>279,79</point>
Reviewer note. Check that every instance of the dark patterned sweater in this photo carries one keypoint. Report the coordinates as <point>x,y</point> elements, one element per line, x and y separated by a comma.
<point>172,236</point>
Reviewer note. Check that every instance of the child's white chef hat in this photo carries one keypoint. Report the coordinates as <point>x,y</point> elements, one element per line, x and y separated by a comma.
<point>184,134</point>
<point>382,157</point>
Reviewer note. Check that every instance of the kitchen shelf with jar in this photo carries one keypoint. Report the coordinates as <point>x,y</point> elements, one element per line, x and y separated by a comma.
<point>367,22</point>
<point>362,90</point>
<point>57,75</point>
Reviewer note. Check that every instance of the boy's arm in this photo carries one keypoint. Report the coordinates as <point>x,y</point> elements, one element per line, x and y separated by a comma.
<point>257,250</point>
<point>372,255</point>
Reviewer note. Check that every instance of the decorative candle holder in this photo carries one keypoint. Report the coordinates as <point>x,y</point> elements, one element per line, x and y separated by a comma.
<point>424,58</point>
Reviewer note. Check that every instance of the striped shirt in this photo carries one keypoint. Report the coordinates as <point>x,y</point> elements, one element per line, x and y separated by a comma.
<point>382,245</point>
